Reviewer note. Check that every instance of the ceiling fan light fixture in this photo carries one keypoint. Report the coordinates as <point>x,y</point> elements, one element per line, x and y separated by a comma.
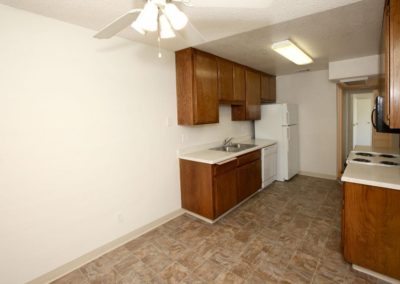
<point>290,51</point>
<point>176,17</point>
<point>166,30</point>
<point>147,19</point>
<point>136,26</point>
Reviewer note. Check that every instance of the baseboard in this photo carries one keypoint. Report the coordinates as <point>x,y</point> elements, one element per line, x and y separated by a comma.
<point>376,274</point>
<point>74,264</point>
<point>318,175</point>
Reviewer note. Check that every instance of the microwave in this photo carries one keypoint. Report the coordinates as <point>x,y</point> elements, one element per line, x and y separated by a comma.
<point>378,119</point>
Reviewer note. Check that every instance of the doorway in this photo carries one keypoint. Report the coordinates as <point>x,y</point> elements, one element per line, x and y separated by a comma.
<point>355,101</point>
<point>361,127</point>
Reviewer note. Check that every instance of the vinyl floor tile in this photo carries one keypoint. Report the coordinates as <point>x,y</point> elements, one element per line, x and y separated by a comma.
<point>287,233</point>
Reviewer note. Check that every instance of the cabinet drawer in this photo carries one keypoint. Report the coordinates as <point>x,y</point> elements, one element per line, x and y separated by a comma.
<point>224,166</point>
<point>249,157</point>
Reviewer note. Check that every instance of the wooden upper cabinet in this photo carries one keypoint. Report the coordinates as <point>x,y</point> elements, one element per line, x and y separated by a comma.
<point>268,88</point>
<point>253,89</point>
<point>196,87</point>
<point>225,80</point>
<point>391,46</point>
<point>252,108</point>
<point>239,83</point>
<point>231,82</point>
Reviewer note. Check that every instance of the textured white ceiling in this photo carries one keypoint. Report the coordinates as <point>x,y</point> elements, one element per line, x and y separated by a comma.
<point>224,29</point>
<point>341,33</point>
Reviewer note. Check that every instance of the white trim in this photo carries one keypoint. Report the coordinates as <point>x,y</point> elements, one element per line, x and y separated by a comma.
<point>317,175</point>
<point>376,274</point>
<point>86,258</point>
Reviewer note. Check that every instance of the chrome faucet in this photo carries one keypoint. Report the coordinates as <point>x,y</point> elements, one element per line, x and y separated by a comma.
<point>228,141</point>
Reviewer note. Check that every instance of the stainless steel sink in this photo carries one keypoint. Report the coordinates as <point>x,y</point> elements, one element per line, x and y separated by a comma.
<point>235,147</point>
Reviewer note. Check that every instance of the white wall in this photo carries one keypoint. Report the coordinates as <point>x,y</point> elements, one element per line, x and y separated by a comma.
<point>316,97</point>
<point>84,136</point>
<point>354,68</point>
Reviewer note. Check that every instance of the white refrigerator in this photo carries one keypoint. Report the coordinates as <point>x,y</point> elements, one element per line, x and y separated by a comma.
<point>280,122</point>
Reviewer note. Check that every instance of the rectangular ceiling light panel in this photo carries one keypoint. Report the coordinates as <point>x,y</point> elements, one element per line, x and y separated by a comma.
<point>289,50</point>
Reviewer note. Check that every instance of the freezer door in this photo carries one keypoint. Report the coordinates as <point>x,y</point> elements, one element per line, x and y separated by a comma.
<point>290,114</point>
<point>292,161</point>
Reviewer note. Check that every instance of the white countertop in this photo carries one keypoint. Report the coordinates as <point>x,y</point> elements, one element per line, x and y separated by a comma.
<point>372,174</point>
<point>212,156</point>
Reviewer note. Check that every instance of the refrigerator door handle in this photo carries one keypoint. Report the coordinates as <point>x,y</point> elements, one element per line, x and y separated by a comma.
<point>288,133</point>
<point>287,118</point>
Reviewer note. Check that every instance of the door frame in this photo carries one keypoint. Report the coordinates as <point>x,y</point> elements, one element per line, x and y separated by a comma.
<point>372,85</point>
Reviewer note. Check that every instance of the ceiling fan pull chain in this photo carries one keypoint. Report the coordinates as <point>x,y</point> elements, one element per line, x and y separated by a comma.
<point>159,48</point>
<point>159,39</point>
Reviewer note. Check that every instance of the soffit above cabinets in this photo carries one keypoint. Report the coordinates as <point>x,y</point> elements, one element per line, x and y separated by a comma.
<point>324,29</point>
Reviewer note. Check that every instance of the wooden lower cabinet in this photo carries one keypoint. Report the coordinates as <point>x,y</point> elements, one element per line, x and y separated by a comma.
<point>210,190</point>
<point>371,228</point>
<point>248,179</point>
<point>225,196</point>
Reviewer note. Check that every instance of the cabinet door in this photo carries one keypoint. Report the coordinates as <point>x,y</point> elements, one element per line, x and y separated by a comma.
<point>372,228</point>
<point>394,64</point>
<point>225,193</point>
<point>253,96</point>
<point>196,187</point>
<point>225,81</point>
<point>248,179</point>
<point>386,51</point>
<point>268,88</point>
<point>206,89</point>
<point>272,89</point>
<point>239,83</point>
<point>265,88</point>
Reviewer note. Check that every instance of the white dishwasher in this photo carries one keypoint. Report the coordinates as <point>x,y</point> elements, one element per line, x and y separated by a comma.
<point>268,164</point>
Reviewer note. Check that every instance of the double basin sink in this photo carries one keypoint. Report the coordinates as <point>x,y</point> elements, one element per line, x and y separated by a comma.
<point>234,147</point>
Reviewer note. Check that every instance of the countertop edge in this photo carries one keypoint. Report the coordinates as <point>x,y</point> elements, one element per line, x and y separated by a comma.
<point>371,183</point>
<point>187,156</point>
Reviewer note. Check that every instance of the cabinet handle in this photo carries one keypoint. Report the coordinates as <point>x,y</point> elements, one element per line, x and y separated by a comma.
<point>226,161</point>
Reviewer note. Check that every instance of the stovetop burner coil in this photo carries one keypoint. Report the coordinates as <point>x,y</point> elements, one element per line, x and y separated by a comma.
<point>362,160</point>
<point>390,163</point>
<point>364,154</point>
<point>386,156</point>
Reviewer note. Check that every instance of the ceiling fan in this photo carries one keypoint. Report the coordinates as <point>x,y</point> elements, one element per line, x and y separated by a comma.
<point>167,19</point>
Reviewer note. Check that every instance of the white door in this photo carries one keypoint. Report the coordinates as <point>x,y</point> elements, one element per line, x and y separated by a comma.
<point>292,161</point>
<point>362,128</point>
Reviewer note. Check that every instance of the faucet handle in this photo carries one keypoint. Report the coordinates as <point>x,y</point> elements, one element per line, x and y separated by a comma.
<point>228,140</point>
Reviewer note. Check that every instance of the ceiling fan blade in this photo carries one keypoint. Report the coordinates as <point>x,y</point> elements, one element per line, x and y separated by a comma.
<point>191,35</point>
<point>250,4</point>
<point>118,24</point>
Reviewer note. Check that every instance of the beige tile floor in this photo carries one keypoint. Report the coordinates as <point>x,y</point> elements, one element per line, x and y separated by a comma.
<point>288,233</point>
